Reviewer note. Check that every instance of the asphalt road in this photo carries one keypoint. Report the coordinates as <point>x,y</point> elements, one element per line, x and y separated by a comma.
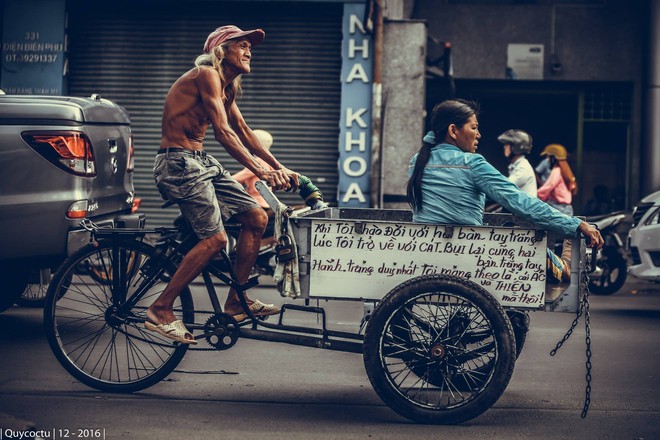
<point>277,391</point>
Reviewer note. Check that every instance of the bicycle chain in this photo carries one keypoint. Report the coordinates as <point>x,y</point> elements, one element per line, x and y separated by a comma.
<point>583,310</point>
<point>162,344</point>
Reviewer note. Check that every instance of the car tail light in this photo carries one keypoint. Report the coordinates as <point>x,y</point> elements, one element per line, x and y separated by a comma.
<point>131,155</point>
<point>70,150</point>
<point>77,209</point>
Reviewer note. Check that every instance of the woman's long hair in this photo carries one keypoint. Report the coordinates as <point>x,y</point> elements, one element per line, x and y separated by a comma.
<point>448,112</point>
<point>215,59</point>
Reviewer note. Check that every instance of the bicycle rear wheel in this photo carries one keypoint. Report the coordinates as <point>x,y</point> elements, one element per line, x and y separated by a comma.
<point>95,332</point>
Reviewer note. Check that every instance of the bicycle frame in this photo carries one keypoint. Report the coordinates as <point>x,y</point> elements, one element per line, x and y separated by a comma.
<point>249,329</point>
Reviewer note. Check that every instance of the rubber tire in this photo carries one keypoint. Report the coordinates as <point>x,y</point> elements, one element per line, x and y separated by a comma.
<point>14,282</point>
<point>34,295</point>
<point>612,260</point>
<point>63,285</point>
<point>33,300</point>
<point>520,325</point>
<point>485,303</point>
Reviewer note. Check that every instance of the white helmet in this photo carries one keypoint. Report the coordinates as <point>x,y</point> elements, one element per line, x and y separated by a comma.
<point>520,141</point>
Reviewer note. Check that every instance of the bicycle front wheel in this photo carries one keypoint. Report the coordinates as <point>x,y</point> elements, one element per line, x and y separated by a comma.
<point>95,324</point>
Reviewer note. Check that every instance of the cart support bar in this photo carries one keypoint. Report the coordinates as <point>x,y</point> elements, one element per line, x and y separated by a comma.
<point>306,341</point>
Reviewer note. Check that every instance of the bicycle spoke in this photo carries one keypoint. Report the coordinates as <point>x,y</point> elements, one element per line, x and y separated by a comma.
<point>97,313</point>
<point>467,346</point>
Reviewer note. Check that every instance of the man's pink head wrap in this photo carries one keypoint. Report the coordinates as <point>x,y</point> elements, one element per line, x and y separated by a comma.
<point>231,32</point>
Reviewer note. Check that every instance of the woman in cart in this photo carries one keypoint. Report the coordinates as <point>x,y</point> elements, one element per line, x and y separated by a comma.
<point>448,183</point>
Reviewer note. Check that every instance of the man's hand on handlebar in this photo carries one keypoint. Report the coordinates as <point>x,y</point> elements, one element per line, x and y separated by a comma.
<point>282,179</point>
<point>294,182</point>
<point>594,239</point>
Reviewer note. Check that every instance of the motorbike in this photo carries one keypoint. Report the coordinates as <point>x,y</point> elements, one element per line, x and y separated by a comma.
<point>611,261</point>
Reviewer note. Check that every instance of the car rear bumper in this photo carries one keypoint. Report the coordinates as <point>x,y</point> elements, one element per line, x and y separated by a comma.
<point>80,237</point>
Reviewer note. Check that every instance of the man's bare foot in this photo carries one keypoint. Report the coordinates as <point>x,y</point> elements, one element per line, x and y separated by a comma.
<point>158,315</point>
<point>257,308</point>
<point>159,321</point>
<point>234,307</point>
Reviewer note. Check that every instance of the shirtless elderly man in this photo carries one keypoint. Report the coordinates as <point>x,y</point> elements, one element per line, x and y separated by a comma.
<point>203,189</point>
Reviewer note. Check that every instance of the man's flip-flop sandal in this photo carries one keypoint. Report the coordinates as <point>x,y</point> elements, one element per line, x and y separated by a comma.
<point>258,309</point>
<point>175,330</point>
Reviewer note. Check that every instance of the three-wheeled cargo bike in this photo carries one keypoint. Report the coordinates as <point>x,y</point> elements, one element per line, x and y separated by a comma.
<point>439,347</point>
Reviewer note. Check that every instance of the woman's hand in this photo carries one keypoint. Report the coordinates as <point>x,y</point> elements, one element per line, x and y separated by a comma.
<point>594,239</point>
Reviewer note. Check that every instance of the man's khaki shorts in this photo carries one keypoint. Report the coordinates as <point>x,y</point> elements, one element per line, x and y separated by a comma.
<point>205,192</point>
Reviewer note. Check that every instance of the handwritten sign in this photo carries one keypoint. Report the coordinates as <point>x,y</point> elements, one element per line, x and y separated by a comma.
<point>369,260</point>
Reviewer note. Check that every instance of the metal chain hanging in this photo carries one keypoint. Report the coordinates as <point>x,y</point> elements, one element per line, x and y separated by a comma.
<point>583,310</point>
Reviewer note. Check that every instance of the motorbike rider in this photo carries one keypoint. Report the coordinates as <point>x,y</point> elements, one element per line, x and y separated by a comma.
<point>517,144</point>
<point>555,191</point>
<point>544,168</point>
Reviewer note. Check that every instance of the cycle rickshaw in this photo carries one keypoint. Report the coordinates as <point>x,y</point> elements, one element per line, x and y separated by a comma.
<point>439,346</point>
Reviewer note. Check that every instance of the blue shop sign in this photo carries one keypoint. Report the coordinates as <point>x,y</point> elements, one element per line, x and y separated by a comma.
<point>356,115</point>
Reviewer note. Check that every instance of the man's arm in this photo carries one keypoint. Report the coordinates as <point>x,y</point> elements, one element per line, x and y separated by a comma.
<point>211,94</point>
<point>252,143</point>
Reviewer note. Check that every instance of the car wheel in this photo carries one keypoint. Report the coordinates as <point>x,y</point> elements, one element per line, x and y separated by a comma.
<point>34,294</point>
<point>14,281</point>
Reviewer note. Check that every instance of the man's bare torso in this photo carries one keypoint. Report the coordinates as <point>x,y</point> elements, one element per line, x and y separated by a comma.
<point>185,120</point>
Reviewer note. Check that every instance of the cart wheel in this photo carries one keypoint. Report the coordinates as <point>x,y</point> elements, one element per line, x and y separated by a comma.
<point>439,349</point>
<point>520,323</point>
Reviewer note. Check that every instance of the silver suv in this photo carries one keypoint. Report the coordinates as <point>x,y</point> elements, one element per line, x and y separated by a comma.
<point>63,159</point>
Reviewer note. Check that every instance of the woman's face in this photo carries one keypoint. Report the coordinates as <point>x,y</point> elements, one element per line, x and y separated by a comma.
<point>467,136</point>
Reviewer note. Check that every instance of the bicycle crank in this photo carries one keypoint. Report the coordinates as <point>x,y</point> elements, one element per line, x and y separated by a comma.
<point>221,331</point>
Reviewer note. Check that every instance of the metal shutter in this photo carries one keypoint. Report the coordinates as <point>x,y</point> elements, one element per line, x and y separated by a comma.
<point>131,53</point>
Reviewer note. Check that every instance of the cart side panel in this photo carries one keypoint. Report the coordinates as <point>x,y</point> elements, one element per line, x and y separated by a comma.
<point>348,254</point>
